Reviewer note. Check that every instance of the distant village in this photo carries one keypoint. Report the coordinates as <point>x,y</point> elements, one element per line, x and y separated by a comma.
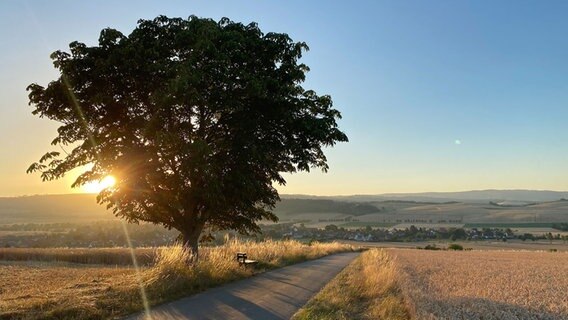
<point>111,234</point>
<point>410,234</point>
<point>398,221</point>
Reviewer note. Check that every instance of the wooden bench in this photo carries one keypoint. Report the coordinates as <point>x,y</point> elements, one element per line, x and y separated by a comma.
<point>244,261</point>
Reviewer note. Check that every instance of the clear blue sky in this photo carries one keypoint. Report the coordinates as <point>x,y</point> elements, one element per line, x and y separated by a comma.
<point>436,95</point>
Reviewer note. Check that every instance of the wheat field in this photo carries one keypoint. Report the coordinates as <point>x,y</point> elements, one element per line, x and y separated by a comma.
<point>107,256</point>
<point>34,290</point>
<point>484,284</point>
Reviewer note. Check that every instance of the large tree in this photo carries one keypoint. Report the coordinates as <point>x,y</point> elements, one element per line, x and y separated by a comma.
<point>196,119</point>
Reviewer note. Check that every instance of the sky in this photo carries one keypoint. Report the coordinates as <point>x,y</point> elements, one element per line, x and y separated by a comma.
<point>435,95</point>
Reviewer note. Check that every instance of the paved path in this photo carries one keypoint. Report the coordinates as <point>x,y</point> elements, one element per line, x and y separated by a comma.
<point>276,294</point>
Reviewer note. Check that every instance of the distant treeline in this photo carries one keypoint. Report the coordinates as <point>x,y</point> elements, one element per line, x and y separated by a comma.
<point>555,225</point>
<point>560,226</point>
<point>52,227</point>
<point>293,206</point>
<point>419,202</point>
<point>95,234</point>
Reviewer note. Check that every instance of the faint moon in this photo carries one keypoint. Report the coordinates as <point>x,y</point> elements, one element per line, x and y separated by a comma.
<point>458,141</point>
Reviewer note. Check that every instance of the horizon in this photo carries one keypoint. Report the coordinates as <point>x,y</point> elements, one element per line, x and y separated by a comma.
<point>452,96</point>
<point>330,196</point>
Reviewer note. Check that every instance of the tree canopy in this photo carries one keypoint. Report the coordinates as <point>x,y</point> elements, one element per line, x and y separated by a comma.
<point>196,119</point>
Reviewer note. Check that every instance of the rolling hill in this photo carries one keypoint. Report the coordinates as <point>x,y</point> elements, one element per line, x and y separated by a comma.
<point>461,196</point>
<point>51,209</point>
<point>83,208</point>
<point>488,206</point>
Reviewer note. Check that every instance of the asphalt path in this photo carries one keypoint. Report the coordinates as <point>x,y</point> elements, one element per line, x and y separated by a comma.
<point>276,294</point>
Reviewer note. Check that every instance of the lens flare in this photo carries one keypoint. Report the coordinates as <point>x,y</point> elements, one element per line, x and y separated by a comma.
<point>98,186</point>
<point>147,315</point>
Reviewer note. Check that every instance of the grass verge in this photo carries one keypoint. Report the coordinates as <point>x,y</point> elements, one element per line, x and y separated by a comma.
<point>56,291</point>
<point>366,289</point>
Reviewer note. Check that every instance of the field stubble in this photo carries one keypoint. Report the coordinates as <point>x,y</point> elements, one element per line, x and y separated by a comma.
<point>105,256</point>
<point>484,284</point>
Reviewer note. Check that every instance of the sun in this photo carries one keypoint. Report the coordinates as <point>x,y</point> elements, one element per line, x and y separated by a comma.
<point>98,186</point>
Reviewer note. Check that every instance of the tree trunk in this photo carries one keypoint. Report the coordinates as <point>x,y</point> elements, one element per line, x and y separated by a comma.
<point>190,237</point>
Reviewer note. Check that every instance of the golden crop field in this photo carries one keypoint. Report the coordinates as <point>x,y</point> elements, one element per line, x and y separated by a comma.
<point>106,256</point>
<point>31,290</point>
<point>484,284</point>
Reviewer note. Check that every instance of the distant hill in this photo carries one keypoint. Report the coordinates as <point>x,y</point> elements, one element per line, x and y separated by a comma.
<point>486,195</point>
<point>298,206</point>
<point>52,208</point>
<point>472,206</point>
<point>527,196</point>
<point>83,208</point>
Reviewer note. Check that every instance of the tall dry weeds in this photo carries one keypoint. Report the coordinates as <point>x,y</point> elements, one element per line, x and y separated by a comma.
<point>366,289</point>
<point>380,276</point>
<point>217,265</point>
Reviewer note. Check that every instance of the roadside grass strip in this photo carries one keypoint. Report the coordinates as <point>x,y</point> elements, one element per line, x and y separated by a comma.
<point>366,289</point>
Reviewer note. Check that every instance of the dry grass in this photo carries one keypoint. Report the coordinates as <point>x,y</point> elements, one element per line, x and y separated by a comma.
<point>366,289</point>
<point>484,284</point>
<point>217,265</point>
<point>110,256</point>
<point>39,290</point>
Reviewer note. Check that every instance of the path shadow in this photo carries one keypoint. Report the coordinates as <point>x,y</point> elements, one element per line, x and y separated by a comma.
<point>218,307</point>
